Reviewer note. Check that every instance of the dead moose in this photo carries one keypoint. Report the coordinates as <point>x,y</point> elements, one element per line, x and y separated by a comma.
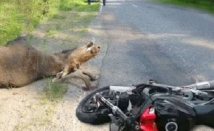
<point>22,64</point>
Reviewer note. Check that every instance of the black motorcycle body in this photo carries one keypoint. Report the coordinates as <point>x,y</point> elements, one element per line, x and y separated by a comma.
<point>169,112</point>
<point>154,107</point>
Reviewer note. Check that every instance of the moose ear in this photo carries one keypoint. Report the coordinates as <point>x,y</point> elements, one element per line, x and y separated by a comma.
<point>89,44</point>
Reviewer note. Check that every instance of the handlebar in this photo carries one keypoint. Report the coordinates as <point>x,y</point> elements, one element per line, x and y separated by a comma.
<point>197,86</point>
<point>116,110</point>
<point>126,120</point>
<point>203,85</point>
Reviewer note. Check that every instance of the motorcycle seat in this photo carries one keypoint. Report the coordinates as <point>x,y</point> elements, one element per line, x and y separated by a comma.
<point>205,114</point>
<point>197,103</point>
<point>202,110</point>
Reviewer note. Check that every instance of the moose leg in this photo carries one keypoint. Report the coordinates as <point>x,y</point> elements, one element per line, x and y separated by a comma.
<point>86,72</point>
<point>76,74</point>
<point>59,75</point>
<point>66,71</point>
<point>79,74</point>
<point>92,77</point>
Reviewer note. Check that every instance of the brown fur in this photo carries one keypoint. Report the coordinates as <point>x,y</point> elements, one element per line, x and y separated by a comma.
<point>78,57</point>
<point>21,64</point>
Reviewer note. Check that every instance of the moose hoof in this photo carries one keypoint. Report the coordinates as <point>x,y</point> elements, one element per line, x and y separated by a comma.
<point>92,78</point>
<point>89,89</point>
<point>55,80</point>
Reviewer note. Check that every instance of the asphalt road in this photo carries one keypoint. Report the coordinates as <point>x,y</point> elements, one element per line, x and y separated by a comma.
<point>145,40</point>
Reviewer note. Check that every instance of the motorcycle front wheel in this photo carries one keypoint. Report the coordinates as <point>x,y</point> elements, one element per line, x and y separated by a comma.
<point>88,112</point>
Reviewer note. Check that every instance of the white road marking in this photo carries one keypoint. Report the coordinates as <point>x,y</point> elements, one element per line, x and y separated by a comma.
<point>101,7</point>
<point>134,5</point>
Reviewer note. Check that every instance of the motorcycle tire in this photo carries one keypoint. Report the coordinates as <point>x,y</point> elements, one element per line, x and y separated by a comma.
<point>94,118</point>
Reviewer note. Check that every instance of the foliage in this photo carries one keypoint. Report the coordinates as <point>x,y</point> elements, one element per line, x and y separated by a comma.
<point>206,5</point>
<point>21,16</point>
<point>54,91</point>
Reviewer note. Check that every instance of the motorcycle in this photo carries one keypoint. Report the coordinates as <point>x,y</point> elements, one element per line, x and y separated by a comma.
<point>150,107</point>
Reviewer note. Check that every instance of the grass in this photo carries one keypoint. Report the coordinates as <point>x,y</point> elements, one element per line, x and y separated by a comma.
<point>205,5</point>
<point>22,16</point>
<point>50,32</point>
<point>58,16</point>
<point>54,91</point>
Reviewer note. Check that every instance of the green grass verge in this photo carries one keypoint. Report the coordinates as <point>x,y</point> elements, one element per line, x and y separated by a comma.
<point>54,91</point>
<point>78,5</point>
<point>205,5</point>
<point>22,16</point>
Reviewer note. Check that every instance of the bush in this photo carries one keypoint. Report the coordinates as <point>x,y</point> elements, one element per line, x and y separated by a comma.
<point>196,1</point>
<point>21,16</point>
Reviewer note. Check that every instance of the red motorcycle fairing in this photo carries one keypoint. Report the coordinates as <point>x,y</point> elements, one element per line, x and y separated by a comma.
<point>147,120</point>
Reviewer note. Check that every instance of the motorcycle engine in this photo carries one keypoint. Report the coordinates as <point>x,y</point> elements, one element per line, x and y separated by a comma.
<point>171,117</point>
<point>126,100</point>
<point>123,101</point>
